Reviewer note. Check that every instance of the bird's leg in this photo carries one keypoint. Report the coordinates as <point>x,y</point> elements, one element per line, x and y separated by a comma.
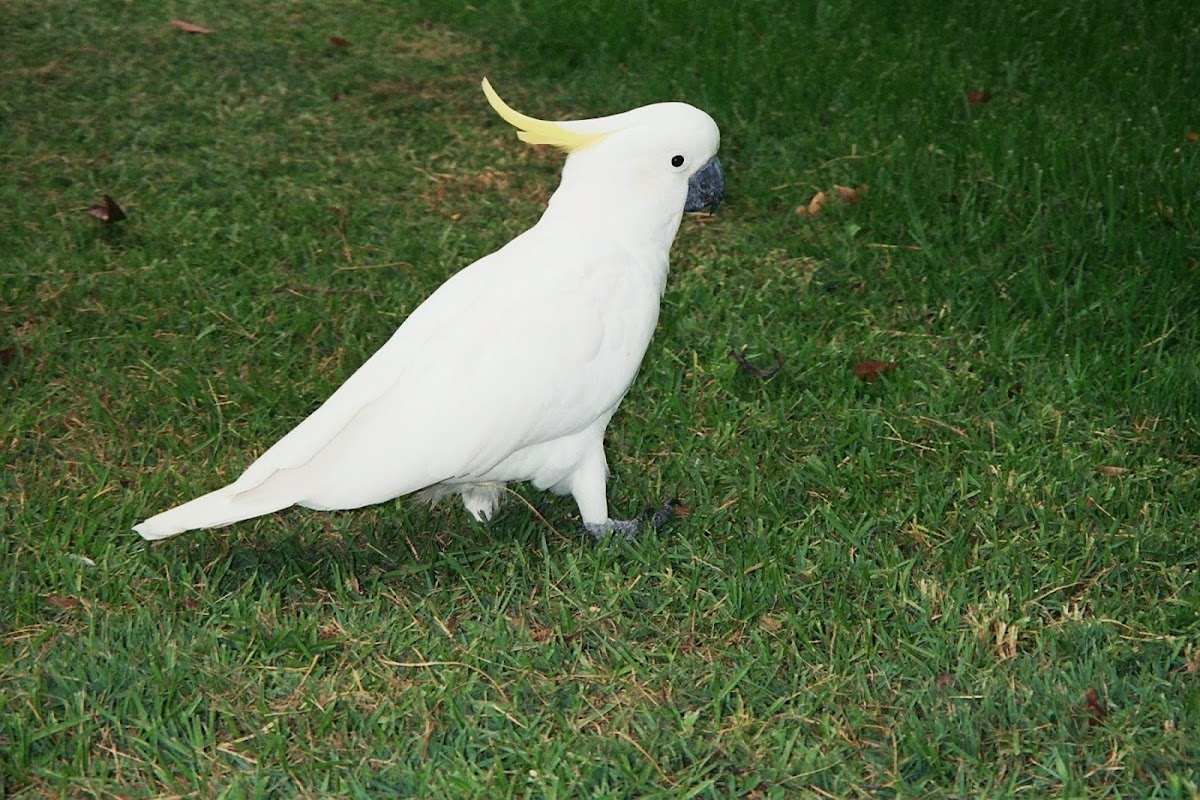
<point>629,528</point>
<point>587,485</point>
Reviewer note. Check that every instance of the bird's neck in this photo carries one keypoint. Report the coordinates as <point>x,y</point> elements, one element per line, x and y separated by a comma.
<point>606,207</point>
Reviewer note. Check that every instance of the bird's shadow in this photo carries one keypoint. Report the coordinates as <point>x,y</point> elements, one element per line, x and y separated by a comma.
<point>355,553</point>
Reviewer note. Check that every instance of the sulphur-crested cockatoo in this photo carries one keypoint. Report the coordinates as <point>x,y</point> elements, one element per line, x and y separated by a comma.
<point>511,370</point>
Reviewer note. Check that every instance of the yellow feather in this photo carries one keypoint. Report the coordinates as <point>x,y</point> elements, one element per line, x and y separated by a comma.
<point>540,131</point>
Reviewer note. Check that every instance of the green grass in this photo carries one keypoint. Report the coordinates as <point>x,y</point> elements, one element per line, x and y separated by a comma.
<point>906,588</point>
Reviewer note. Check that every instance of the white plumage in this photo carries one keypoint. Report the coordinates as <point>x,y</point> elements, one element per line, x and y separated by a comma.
<point>511,370</point>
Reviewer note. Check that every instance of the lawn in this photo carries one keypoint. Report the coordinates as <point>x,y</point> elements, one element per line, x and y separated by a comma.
<point>969,570</point>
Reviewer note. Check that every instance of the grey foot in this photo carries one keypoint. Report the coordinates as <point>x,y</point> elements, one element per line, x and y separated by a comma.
<point>629,528</point>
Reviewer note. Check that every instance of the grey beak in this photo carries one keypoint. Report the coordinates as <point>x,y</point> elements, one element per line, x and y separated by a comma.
<point>706,188</point>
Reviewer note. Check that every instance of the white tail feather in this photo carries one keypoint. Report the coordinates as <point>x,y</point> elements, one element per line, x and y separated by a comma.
<point>222,507</point>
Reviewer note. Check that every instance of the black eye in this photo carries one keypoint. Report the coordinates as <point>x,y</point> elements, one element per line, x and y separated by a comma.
<point>677,161</point>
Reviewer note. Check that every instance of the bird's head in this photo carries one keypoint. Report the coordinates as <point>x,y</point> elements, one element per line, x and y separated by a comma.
<point>657,158</point>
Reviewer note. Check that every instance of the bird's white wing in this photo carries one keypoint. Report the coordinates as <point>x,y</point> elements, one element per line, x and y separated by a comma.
<point>519,348</point>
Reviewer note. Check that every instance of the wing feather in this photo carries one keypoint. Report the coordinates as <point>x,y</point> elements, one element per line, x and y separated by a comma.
<point>517,349</point>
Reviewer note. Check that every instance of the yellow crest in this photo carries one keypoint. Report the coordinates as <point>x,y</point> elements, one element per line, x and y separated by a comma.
<point>540,131</point>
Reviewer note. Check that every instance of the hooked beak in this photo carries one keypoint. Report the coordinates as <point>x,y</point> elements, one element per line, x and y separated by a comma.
<point>706,188</point>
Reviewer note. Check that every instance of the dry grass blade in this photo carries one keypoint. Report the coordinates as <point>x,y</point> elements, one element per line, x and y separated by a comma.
<point>189,27</point>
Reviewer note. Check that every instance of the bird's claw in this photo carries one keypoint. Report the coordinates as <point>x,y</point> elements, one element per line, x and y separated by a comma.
<point>664,514</point>
<point>629,528</point>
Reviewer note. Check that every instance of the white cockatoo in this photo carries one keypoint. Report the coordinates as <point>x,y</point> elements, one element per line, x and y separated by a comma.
<point>512,369</point>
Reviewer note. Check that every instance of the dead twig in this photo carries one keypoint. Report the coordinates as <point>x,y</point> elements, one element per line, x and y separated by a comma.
<point>759,372</point>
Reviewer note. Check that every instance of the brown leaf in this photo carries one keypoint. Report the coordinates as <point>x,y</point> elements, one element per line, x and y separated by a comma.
<point>851,195</point>
<point>188,27</point>
<point>1192,137</point>
<point>60,601</point>
<point>759,372</point>
<point>814,206</point>
<point>979,97</point>
<point>12,352</point>
<point>1097,711</point>
<point>846,194</point>
<point>543,634</point>
<point>338,41</point>
<point>107,212</point>
<point>870,370</point>
<point>1111,471</point>
<point>945,680</point>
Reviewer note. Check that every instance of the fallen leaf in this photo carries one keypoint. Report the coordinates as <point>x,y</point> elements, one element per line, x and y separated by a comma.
<point>1193,137</point>
<point>979,97</point>
<point>759,372</point>
<point>846,194</point>
<point>107,212</point>
<point>770,624</point>
<point>59,601</point>
<point>13,352</point>
<point>945,680</point>
<point>1111,472</point>
<point>188,27</point>
<point>869,371</point>
<point>851,195</point>
<point>1097,711</point>
<point>543,634</point>
<point>338,41</point>
<point>814,206</point>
